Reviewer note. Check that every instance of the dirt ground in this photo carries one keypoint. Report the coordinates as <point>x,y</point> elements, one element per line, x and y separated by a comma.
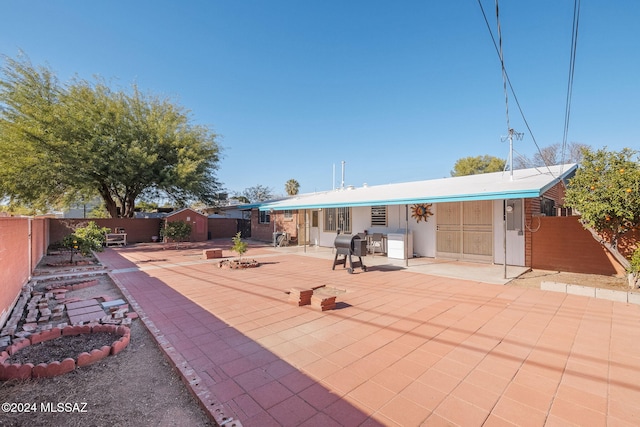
<point>137,387</point>
<point>533,278</point>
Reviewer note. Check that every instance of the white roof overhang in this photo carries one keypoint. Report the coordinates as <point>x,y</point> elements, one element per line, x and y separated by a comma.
<point>525,183</point>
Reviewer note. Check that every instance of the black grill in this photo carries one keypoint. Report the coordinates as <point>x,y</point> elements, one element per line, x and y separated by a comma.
<point>347,245</point>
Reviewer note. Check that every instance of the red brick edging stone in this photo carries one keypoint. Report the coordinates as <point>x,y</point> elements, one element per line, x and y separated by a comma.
<point>10,371</point>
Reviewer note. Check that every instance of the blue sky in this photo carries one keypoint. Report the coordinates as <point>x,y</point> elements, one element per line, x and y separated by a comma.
<point>397,90</point>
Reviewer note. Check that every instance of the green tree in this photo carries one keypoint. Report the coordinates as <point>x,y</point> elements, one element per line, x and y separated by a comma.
<point>606,192</point>
<point>292,187</point>
<point>476,165</point>
<point>63,143</point>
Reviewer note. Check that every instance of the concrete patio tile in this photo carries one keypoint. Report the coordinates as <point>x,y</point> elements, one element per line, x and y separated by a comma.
<point>270,394</point>
<point>392,380</point>
<point>405,412</point>
<point>476,395</point>
<point>321,368</point>
<point>426,395</point>
<point>343,381</point>
<point>342,358</point>
<point>321,419</point>
<point>296,381</point>
<point>518,413</point>
<point>372,395</point>
<point>318,396</point>
<point>576,414</point>
<point>460,412</point>
<point>582,397</point>
<point>252,379</point>
<point>402,348</point>
<point>345,413</point>
<point>538,400</point>
<point>293,411</point>
<point>244,406</point>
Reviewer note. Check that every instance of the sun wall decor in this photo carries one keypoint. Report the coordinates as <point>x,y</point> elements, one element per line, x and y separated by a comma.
<point>421,212</point>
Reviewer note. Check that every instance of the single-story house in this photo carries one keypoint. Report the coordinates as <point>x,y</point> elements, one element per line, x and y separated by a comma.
<point>475,218</point>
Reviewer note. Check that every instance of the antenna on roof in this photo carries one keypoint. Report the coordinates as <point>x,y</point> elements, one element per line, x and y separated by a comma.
<point>333,182</point>
<point>342,185</point>
<point>518,136</point>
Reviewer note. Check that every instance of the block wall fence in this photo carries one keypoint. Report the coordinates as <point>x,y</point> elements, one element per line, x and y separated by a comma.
<point>23,243</point>
<point>556,243</point>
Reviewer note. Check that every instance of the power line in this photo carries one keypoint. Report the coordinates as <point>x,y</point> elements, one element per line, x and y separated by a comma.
<point>572,64</point>
<point>508,80</point>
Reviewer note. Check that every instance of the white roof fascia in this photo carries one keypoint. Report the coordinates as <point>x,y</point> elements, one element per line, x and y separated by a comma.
<point>526,183</point>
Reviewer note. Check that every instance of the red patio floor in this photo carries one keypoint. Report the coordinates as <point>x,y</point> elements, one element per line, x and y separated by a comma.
<point>402,348</point>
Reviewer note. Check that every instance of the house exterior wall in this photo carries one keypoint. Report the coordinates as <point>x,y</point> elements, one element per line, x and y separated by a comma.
<point>423,232</point>
<point>199,223</point>
<point>19,254</point>
<point>264,232</point>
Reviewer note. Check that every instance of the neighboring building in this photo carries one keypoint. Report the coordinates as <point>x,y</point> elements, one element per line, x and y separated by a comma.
<point>198,221</point>
<point>465,218</point>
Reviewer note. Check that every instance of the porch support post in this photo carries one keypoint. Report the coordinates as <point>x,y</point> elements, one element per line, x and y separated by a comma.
<point>504,221</point>
<point>406,235</point>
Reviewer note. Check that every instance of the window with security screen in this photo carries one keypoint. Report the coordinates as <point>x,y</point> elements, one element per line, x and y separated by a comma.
<point>265,217</point>
<point>337,219</point>
<point>379,216</point>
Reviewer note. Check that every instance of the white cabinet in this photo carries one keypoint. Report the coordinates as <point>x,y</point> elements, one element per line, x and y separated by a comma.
<point>396,247</point>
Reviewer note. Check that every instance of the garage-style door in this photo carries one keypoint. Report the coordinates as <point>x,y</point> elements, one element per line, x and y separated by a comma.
<point>465,230</point>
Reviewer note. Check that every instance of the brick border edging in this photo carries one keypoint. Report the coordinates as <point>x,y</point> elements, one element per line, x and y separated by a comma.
<point>9,371</point>
<point>215,410</point>
<point>629,297</point>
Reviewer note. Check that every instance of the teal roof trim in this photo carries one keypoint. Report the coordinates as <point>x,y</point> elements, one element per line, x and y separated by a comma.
<point>454,198</point>
<point>522,184</point>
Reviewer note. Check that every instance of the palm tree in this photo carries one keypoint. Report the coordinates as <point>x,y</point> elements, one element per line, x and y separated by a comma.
<point>291,187</point>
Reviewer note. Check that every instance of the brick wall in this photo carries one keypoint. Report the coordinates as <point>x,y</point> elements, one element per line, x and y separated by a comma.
<point>562,244</point>
<point>531,215</point>
<point>18,257</point>
<point>223,227</point>
<point>138,230</point>
<point>264,232</point>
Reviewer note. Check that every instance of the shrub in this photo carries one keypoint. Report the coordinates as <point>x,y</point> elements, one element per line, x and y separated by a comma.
<point>85,239</point>
<point>177,231</point>
<point>634,267</point>
<point>239,246</point>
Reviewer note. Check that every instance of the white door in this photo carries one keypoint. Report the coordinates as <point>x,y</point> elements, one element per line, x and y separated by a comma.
<point>314,230</point>
<point>515,232</point>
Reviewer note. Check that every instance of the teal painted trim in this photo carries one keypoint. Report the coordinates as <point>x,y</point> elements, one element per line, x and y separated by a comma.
<point>520,194</point>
